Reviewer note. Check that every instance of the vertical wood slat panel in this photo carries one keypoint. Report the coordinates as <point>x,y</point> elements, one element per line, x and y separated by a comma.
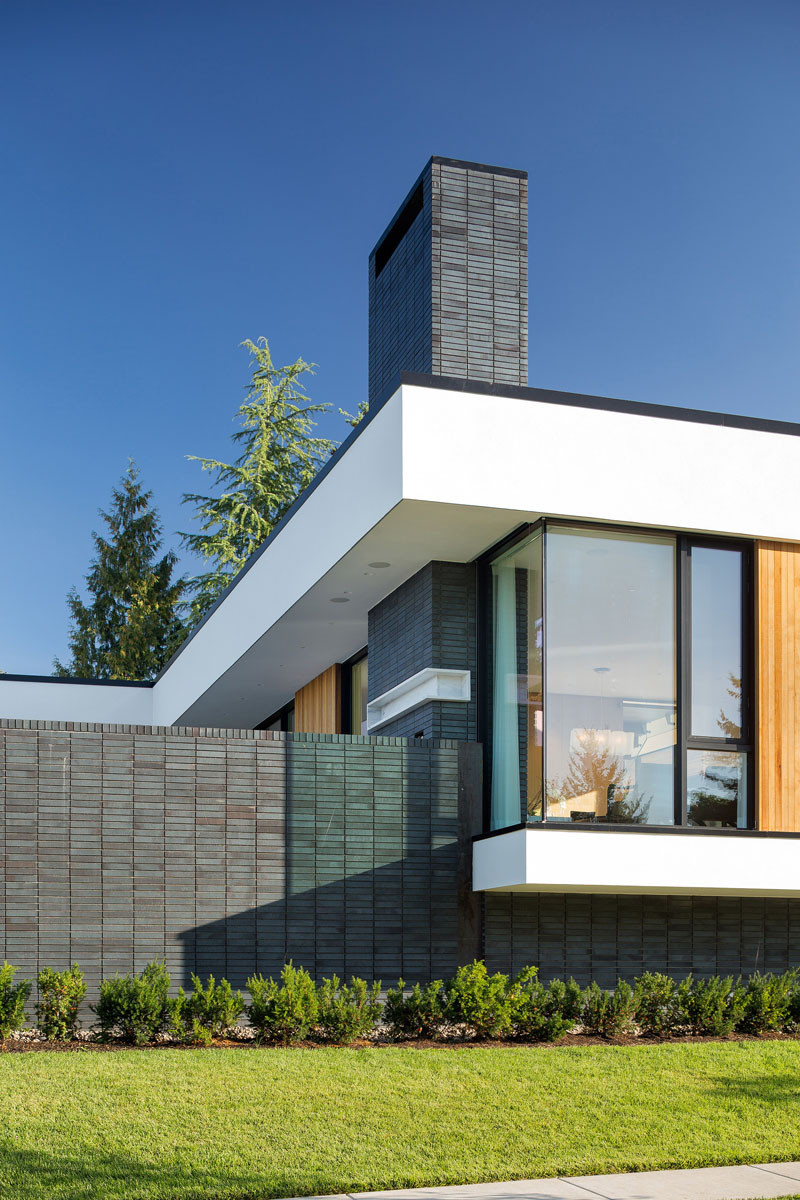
<point>778,663</point>
<point>318,705</point>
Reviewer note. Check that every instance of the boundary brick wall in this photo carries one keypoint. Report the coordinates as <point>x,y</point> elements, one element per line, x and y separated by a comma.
<point>229,852</point>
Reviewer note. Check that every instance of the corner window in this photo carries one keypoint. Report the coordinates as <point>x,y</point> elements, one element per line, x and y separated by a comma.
<point>619,680</point>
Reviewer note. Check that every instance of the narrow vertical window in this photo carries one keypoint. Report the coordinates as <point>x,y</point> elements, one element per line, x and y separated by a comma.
<point>358,696</point>
<point>716,642</point>
<point>517,685</point>
<point>717,758</point>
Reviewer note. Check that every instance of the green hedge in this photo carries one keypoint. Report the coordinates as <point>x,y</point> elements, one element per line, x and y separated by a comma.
<point>473,1005</point>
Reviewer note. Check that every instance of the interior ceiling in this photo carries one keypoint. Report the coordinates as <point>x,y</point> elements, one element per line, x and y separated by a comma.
<point>318,631</point>
<point>610,616</point>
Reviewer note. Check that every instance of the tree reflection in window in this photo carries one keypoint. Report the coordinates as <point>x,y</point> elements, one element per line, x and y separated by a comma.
<point>597,785</point>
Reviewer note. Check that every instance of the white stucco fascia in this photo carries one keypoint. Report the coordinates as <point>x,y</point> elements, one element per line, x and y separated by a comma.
<point>35,700</point>
<point>595,464</point>
<point>695,863</point>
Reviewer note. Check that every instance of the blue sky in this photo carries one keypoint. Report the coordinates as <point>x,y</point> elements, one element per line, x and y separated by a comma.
<point>181,176</point>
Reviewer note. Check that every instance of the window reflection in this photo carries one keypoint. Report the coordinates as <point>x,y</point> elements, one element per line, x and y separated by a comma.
<point>584,680</point>
<point>716,642</point>
<point>716,791</point>
<point>610,669</point>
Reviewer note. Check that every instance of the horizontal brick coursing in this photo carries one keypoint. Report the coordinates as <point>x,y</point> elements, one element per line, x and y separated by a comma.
<point>618,937</point>
<point>429,621</point>
<point>453,297</point>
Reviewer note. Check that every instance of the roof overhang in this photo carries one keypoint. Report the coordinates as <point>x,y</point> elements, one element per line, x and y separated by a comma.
<point>444,469</point>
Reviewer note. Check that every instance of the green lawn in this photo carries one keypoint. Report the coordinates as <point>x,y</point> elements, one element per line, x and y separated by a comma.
<point>261,1123</point>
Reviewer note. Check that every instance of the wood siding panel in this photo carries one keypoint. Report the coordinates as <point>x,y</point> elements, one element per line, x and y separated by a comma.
<point>318,705</point>
<point>778,664</point>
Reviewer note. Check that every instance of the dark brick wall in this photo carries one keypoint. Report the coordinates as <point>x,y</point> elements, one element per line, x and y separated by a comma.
<point>480,275</point>
<point>609,937</point>
<point>453,297</point>
<point>400,302</point>
<point>230,852</point>
<point>429,621</point>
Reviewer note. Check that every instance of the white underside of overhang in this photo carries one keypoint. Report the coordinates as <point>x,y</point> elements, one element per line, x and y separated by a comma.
<point>637,861</point>
<point>316,631</point>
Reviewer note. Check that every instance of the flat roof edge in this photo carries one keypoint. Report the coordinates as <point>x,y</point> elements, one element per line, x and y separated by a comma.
<point>130,683</point>
<point>669,412</point>
<point>467,165</point>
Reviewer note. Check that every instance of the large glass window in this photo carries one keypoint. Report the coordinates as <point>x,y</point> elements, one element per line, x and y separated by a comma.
<point>610,701</point>
<point>619,680</point>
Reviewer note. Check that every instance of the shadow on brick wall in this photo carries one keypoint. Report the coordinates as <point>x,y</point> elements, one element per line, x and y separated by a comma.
<point>405,918</point>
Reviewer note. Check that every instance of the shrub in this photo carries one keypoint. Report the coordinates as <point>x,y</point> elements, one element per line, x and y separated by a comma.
<point>60,996</point>
<point>182,1028</point>
<point>767,1002</point>
<point>655,997</point>
<point>420,1014</point>
<point>215,1008</point>
<point>710,1007</point>
<point>284,1012</point>
<point>134,1008</point>
<point>608,1014</point>
<point>543,1014</point>
<point>13,997</point>
<point>346,1011</point>
<point>793,1007</point>
<point>479,1002</point>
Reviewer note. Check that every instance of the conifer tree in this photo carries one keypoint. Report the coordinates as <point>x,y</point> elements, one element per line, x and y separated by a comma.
<point>132,622</point>
<point>279,457</point>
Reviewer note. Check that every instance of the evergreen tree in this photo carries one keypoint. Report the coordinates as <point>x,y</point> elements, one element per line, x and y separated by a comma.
<point>279,457</point>
<point>133,621</point>
<point>593,767</point>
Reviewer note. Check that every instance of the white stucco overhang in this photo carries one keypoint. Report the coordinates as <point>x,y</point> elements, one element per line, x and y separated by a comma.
<point>690,862</point>
<point>441,471</point>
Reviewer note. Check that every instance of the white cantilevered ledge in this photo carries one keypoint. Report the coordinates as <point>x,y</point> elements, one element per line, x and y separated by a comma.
<point>432,683</point>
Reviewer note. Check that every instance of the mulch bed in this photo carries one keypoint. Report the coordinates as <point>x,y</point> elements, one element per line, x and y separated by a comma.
<point>19,1046</point>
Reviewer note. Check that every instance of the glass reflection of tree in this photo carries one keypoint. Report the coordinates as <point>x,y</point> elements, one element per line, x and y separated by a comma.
<point>593,769</point>
<point>719,807</point>
<point>732,728</point>
<point>711,807</point>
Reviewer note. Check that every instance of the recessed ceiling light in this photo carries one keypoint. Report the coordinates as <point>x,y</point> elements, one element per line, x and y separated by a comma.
<point>340,599</point>
<point>379,564</point>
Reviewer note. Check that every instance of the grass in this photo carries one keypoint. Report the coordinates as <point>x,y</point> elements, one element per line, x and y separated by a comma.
<point>262,1123</point>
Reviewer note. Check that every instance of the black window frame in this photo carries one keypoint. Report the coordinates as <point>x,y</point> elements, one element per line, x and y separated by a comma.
<point>283,717</point>
<point>746,742</point>
<point>685,741</point>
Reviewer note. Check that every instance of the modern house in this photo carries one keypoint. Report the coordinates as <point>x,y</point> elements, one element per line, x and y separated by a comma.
<point>517,677</point>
